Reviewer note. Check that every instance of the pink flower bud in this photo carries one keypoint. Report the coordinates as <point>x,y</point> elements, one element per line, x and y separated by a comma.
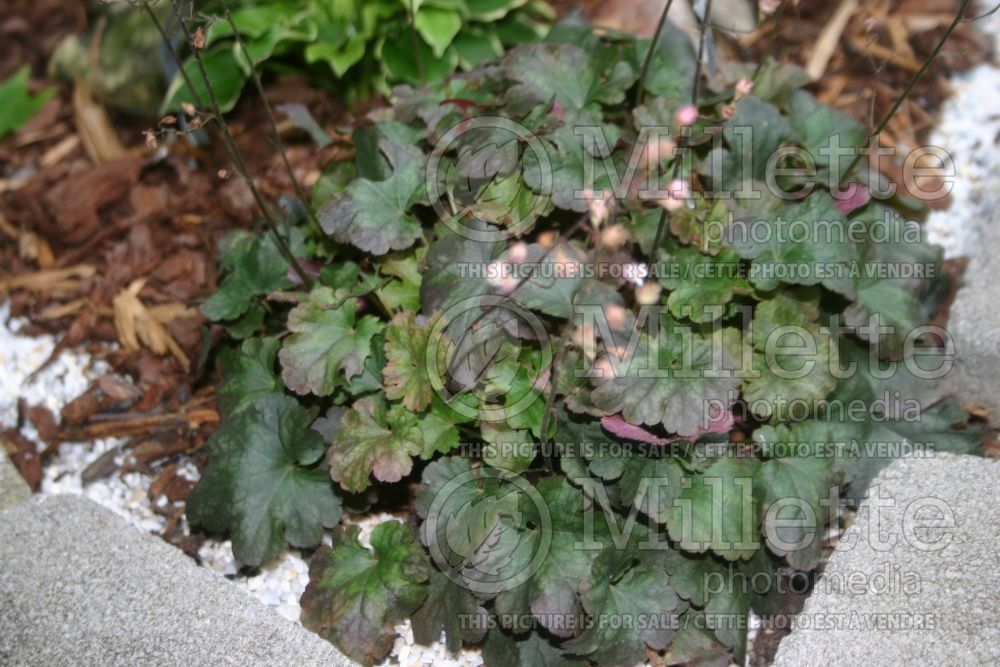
<point>677,192</point>
<point>518,252</point>
<point>687,115</point>
<point>744,87</point>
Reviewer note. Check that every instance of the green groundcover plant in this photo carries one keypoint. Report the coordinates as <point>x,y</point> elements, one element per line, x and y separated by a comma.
<point>364,45</point>
<point>579,335</point>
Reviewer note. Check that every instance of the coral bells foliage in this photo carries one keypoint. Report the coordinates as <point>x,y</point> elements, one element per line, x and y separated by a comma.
<point>611,384</point>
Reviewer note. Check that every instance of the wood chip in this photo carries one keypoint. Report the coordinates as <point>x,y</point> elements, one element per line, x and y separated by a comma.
<point>828,40</point>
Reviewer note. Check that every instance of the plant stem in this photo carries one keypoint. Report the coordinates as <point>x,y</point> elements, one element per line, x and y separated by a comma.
<point>235,155</point>
<point>695,87</point>
<point>772,39</point>
<point>702,31</point>
<point>173,53</point>
<point>641,93</point>
<point>270,117</point>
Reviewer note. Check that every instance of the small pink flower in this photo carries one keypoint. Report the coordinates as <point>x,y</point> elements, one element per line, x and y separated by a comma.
<point>687,115</point>
<point>518,252</point>
<point>744,87</point>
<point>598,204</point>
<point>500,277</point>
<point>677,192</point>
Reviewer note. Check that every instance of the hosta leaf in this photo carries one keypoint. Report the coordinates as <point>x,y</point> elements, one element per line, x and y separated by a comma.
<point>249,374</point>
<point>717,512</point>
<point>328,343</point>
<point>451,609</point>
<point>356,595</point>
<point>438,27</point>
<point>406,374</point>
<point>618,591</point>
<point>373,215</point>
<point>263,482</point>
<point>224,74</point>
<point>381,439</point>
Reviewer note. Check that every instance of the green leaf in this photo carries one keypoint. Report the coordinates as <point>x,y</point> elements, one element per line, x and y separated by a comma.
<point>618,590</point>
<point>406,374</point>
<point>444,283</point>
<point>18,104</point>
<point>402,291</point>
<point>451,609</point>
<point>823,131</point>
<point>940,428</point>
<point>249,374</point>
<point>225,75</point>
<point>651,485</point>
<point>794,367</point>
<point>801,244</point>
<point>256,267</point>
<point>673,66</point>
<point>399,59</point>
<point>373,215</point>
<point>438,27</point>
<point>717,512</point>
<point>503,650</point>
<point>567,73</point>
<point>701,282</point>
<point>339,57</point>
<point>552,285</point>
<point>376,438</point>
<point>550,594</point>
<point>694,645</point>
<point>356,595</point>
<point>263,482</point>
<point>752,135</point>
<point>665,381</point>
<point>798,484</point>
<point>327,340</point>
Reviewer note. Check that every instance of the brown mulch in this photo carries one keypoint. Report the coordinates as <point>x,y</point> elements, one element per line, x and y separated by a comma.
<point>106,240</point>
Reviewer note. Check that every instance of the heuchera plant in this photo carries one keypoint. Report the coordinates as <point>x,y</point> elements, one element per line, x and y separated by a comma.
<point>605,370</point>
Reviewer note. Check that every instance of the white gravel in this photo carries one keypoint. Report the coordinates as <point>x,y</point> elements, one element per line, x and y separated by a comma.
<point>969,131</point>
